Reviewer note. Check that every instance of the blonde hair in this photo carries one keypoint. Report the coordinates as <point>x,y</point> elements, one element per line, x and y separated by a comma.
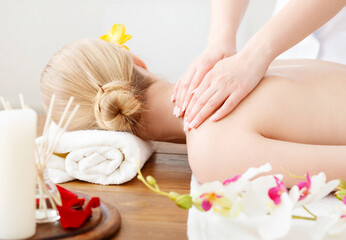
<point>102,79</point>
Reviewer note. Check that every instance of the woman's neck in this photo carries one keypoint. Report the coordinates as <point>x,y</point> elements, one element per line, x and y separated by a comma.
<point>157,121</point>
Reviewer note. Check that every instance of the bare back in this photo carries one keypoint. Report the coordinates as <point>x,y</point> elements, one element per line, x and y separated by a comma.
<point>295,119</point>
<point>300,101</point>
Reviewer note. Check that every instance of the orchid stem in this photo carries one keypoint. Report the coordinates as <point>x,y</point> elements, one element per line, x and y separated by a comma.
<point>156,189</point>
<point>305,218</point>
<point>313,215</point>
<point>313,218</point>
<point>291,174</point>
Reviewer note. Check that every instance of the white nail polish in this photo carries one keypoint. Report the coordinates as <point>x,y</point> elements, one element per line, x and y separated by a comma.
<point>175,111</point>
<point>192,124</point>
<point>184,107</point>
<point>178,112</point>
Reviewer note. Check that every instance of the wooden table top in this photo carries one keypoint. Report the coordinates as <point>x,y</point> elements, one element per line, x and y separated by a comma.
<point>145,214</point>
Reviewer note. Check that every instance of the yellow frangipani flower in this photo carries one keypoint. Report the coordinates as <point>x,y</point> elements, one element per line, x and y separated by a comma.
<point>117,35</point>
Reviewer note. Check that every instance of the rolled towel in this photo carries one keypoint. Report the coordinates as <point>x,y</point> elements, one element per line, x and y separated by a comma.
<point>96,156</point>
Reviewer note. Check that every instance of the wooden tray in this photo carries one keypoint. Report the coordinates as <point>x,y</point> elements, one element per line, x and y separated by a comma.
<point>103,224</point>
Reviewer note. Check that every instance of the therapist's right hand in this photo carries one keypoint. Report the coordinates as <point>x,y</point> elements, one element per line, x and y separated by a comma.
<point>196,72</point>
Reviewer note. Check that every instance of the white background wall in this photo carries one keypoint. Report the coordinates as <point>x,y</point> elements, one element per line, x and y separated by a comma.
<point>167,34</point>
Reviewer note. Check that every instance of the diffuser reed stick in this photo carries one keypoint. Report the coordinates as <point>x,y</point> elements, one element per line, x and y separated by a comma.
<point>45,151</point>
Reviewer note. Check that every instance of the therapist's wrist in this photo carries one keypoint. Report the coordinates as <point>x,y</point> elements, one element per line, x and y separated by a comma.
<point>256,56</point>
<point>258,51</point>
<point>224,45</point>
<point>223,39</point>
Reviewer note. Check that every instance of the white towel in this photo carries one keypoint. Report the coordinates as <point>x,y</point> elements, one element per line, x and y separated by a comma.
<point>208,225</point>
<point>97,156</point>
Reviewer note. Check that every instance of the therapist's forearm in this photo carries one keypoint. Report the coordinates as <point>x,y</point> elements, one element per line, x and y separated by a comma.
<point>226,16</point>
<point>292,24</point>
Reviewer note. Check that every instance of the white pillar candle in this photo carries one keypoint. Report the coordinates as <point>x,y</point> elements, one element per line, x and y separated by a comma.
<point>17,173</point>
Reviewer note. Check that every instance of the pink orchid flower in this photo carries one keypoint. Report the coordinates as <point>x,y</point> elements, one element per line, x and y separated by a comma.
<point>318,189</point>
<point>274,193</point>
<point>230,180</point>
<point>304,187</point>
<point>208,200</point>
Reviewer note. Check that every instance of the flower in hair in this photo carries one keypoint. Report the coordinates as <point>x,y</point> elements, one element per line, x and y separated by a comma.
<point>117,35</point>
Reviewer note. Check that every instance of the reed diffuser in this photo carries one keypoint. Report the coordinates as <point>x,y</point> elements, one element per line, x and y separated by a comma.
<point>47,194</point>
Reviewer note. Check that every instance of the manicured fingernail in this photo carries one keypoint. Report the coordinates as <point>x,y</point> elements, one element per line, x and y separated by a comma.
<point>213,118</point>
<point>178,112</point>
<point>193,91</point>
<point>172,98</point>
<point>186,126</point>
<point>175,111</point>
<point>184,107</point>
<point>193,124</point>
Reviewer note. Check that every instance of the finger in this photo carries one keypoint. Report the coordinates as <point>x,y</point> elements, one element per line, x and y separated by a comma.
<point>232,101</point>
<point>175,89</point>
<point>174,92</point>
<point>197,79</point>
<point>173,97</point>
<point>194,98</point>
<point>183,89</point>
<point>213,103</point>
<point>197,93</point>
<point>178,90</point>
<point>201,102</point>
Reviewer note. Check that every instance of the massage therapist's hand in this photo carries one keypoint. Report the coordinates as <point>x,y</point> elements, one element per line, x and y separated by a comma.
<point>223,87</point>
<point>197,70</point>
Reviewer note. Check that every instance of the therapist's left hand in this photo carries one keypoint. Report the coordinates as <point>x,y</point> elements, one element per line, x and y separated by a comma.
<point>223,88</point>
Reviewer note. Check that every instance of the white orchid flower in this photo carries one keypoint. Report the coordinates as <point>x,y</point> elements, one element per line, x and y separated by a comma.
<point>227,195</point>
<point>315,188</point>
<point>331,226</point>
<point>279,220</point>
<point>256,201</point>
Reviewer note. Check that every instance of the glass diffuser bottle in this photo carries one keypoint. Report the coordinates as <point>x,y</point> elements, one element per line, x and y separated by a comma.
<point>47,198</point>
<point>47,194</point>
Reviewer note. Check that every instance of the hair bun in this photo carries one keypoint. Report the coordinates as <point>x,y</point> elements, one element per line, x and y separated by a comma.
<point>117,107</point>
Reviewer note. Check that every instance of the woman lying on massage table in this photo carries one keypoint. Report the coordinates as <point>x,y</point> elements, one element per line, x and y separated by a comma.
<point>295,118</point>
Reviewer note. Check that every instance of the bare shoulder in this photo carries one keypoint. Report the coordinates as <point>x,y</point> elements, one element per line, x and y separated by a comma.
<point>307,63</point>
<point>214,145</point>
<point>306,70</point>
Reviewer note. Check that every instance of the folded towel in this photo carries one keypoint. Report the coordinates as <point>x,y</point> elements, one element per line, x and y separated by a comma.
<point>208,225</point>
<point>96,156</point>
